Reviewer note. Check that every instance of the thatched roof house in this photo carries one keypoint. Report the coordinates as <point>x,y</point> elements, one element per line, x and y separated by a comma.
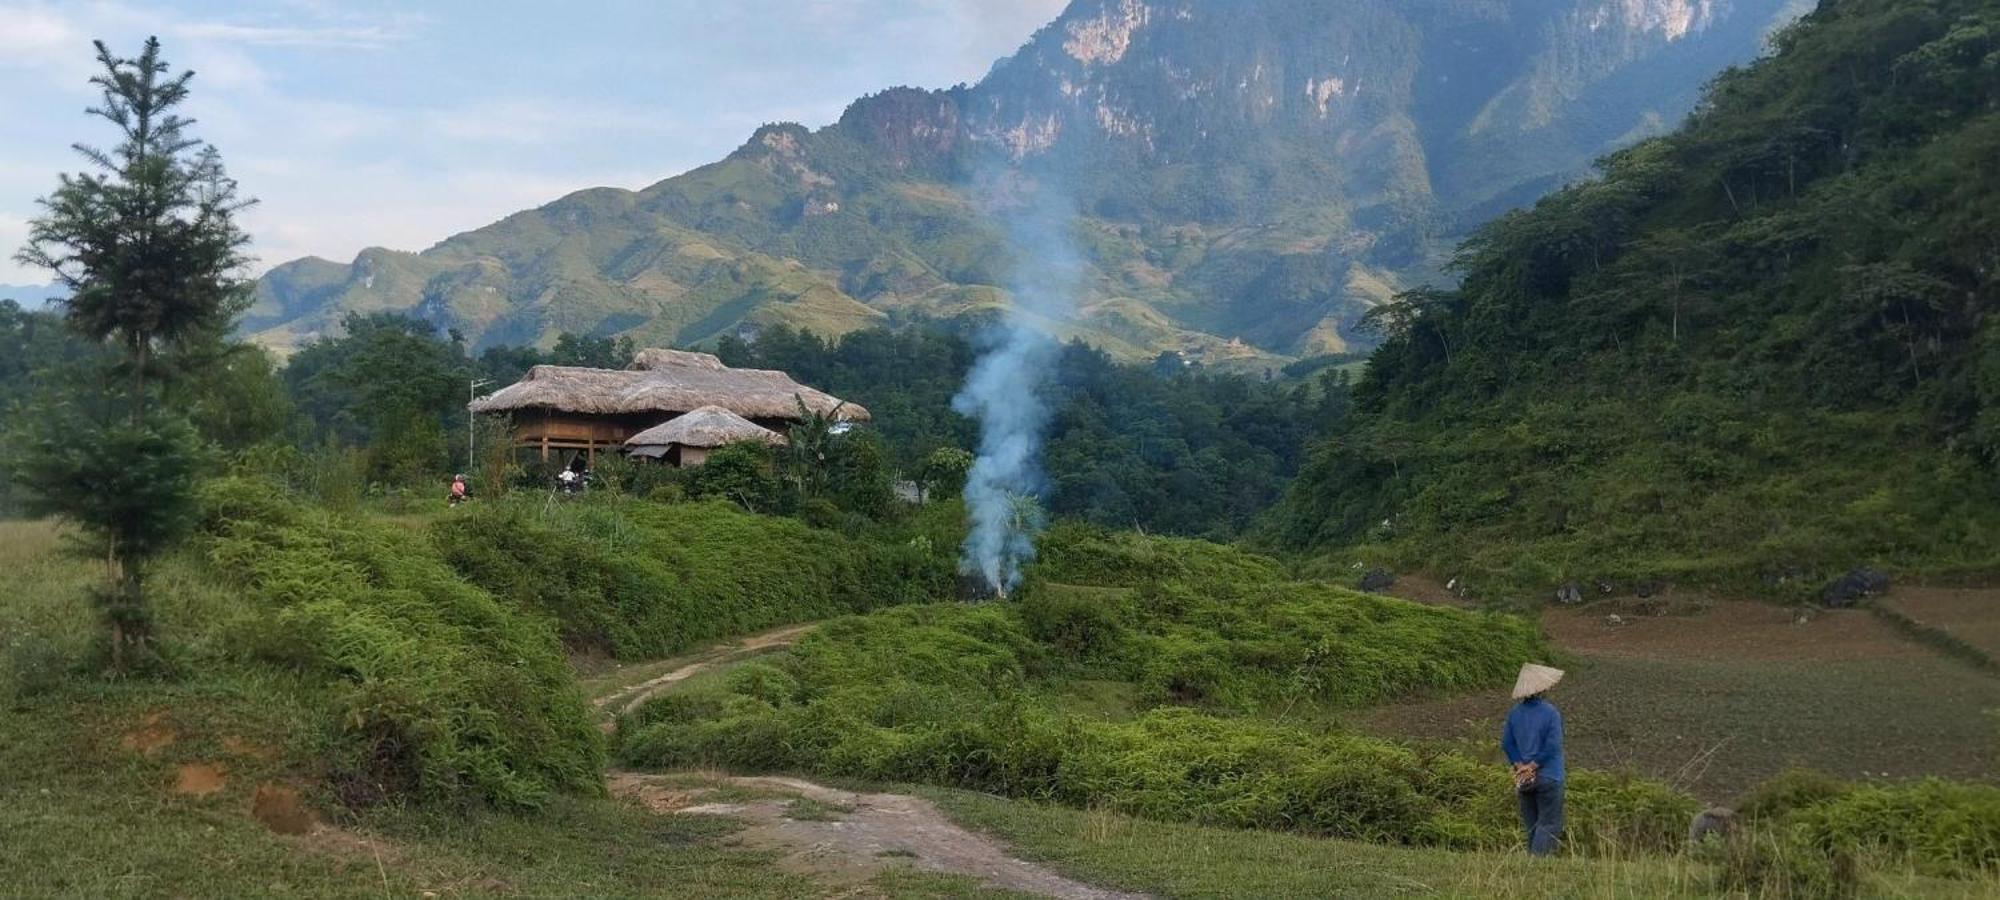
<point>686,440</point>
<point>566,407</point>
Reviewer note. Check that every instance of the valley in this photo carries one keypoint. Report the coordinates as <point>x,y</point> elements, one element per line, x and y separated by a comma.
<point>1155,469</point>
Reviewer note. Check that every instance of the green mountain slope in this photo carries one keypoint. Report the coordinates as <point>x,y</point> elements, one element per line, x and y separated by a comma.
<point>1760,347</point>
<point>1251,177</point>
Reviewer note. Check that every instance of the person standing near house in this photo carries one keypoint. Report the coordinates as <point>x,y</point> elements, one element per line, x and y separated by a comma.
<point>1533,742</point>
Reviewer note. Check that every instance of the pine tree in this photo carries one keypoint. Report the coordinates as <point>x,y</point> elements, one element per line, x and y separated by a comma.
<point>148,246</point>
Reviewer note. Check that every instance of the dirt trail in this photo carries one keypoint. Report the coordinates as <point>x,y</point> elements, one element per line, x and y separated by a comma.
<point>845,838</point>
<point>628,697</point>
<point>837,837</point>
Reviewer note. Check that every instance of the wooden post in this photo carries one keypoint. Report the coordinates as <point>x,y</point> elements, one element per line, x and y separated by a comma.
<point>545,449</point>
<point>590,455</point>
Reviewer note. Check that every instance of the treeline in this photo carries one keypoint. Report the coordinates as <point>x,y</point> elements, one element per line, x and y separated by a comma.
<point>1759,349</point>
<point>1168,447</point>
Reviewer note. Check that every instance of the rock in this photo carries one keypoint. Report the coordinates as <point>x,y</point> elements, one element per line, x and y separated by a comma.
<point>1569,594</point>
<point>1377,580</point>
<point>1716,820</point>
<point>1614,620</point>
<point>1605,587</point>
<point>1854,587</point>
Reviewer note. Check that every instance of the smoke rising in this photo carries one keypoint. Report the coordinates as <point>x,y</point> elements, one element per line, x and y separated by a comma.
<point>1006,391</point>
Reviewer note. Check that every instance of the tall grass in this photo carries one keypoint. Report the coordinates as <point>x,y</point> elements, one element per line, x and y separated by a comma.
<point>635,580</point>
<point>950,695</point>
<point>435,689</point>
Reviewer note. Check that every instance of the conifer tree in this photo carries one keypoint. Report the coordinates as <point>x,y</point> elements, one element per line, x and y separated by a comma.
<point>147,244</point>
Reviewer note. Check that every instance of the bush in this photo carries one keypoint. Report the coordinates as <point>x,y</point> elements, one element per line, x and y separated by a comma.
<point>1074,553</point>
<point>435,690</point>
<point>648,580</point>
<point>1076,622</point>
<point>1810,834</point>
<point>948,694</point>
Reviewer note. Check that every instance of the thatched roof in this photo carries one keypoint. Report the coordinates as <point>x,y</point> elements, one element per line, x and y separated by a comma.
<point>707,427</point>
<point>666,382</point>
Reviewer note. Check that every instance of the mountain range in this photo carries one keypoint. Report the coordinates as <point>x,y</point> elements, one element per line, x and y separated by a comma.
<point>1248,179</point>
<point>31,296</point>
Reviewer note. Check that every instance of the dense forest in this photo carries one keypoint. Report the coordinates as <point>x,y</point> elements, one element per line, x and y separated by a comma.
<point>1758,348</point>
<point>1170,447</point>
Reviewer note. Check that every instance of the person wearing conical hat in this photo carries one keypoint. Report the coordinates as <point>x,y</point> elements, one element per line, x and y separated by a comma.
<point>1533,742</point>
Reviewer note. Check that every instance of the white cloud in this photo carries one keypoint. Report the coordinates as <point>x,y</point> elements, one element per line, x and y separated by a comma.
<point>294,95</point>
<point>36,32</point>
<point>343,37</point>
<point>14,233</point>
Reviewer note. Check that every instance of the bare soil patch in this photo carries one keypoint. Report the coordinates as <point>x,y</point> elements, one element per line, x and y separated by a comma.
<point>200,779</point>
<point>1677,626</point>
<point>1971,615</point>
<point>1719,700</point>
<point>847,838</point>
<point>282,809</point>
<point>1426,590</point>
<point>153,735</point>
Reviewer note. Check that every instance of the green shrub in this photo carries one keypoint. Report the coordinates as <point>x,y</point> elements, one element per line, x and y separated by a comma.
<point>1075,622</point>
<point>947,694</point>
<point>1787,791</point>
<point>435,690</point>
<point>638,580</point>
<point>1074,553</point>
<point>1807,832</point>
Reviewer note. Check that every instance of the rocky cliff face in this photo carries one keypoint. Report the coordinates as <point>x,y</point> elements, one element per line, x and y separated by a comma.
<point>1251,176</point>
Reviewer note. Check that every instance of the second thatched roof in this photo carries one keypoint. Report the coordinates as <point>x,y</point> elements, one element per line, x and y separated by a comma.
<point>669,382</point>
<point>708,427</point>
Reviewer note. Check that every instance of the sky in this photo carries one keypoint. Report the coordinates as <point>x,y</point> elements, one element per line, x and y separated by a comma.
<point>372,123</point>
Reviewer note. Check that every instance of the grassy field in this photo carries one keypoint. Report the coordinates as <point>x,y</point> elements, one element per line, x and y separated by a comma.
<point>151,788</point>
<point>1719,698</point>
<point>1175,860</point>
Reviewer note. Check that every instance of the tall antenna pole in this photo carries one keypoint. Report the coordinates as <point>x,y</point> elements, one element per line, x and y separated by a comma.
<point>471,421</point>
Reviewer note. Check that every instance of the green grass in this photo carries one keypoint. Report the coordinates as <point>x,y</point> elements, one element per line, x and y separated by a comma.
<point>1190,861</point>
<point>85,817</point>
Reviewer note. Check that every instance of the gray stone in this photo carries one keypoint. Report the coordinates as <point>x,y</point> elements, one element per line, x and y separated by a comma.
<point>1853,587</point>
<point>1716,820</point>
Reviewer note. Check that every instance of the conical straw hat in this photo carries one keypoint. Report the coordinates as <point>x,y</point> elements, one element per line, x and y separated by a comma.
<point>1535,679</point>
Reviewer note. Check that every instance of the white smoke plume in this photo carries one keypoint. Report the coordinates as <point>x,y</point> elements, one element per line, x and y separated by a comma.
<point>1006,391</point>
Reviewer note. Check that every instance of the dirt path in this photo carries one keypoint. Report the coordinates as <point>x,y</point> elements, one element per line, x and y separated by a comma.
<point>621,695</point>
<point>845,838</point>
<point>837,837</point>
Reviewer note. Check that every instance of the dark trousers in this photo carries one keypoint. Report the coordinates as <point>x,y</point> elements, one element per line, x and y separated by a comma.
<point>1542,816</point>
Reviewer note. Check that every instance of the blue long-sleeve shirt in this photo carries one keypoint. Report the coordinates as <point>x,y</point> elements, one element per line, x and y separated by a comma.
<point>1534,733</point>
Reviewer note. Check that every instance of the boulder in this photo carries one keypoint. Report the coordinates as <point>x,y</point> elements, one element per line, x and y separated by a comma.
<point>1569,594</point>
<point>1716,820</point>
<point>1377,580</point>
<point>1853,587</point>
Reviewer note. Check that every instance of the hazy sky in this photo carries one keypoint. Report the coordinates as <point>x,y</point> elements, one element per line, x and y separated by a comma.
<point>398,124</point>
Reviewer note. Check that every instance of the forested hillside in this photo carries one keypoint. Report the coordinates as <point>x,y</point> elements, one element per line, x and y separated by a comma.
<point>1248,177</point>
<point>1760,347</point>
